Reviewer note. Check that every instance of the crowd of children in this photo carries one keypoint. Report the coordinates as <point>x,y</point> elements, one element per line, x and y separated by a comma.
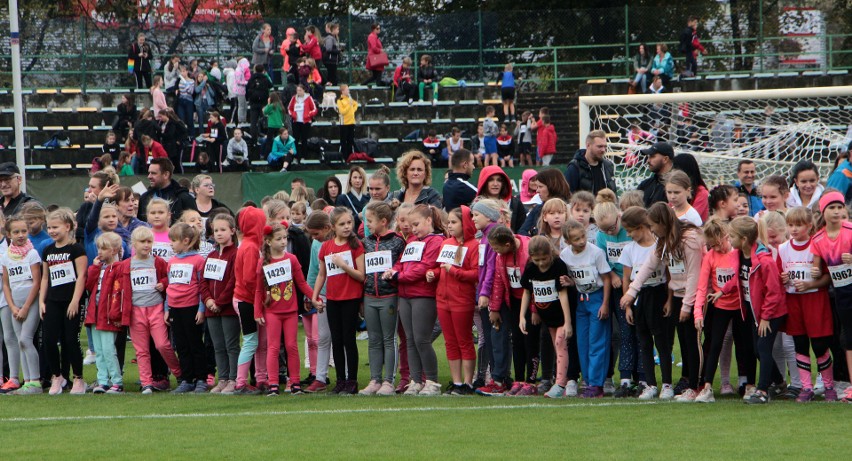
<point>605,285</point>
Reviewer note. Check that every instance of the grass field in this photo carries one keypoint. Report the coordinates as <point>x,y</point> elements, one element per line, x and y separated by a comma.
<point>133,426</point>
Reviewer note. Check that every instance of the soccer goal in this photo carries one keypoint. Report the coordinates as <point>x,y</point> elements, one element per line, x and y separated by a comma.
<point>774,128</point>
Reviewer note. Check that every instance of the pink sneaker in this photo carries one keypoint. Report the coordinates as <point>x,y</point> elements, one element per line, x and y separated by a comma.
<point>516,387</point>
<point>526,390</point>
<point>386,389</point>
<point>55,385</point>
<point>79,386</point>
<point>371,388</point>
<point>727,389</point>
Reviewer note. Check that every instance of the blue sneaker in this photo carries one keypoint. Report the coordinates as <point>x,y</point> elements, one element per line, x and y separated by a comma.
<point>201,387</point>
<point>184,387</point>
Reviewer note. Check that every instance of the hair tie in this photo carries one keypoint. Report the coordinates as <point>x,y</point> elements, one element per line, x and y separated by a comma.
<point>267,230</point>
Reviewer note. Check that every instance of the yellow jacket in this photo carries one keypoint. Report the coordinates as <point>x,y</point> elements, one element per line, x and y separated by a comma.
<point>347,106</point>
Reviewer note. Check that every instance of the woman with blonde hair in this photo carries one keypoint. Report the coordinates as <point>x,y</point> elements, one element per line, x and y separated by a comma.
<point>414,172</point>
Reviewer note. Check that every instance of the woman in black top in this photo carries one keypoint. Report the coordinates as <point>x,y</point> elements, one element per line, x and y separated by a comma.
<point>216,138</point>
<point>356,196</point>
<point>127,115</point>
<point>141,54</point>
<point>331,189</point>
<point>172,134</point>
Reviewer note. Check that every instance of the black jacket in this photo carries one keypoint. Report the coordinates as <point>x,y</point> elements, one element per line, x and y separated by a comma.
<point>458,191</point>
<point>257,89</point>
<point>12,208</point>
<point>579,174</point>
<point>393,242</point>
<point>427,196</point>
<point>686,35</point>
<point>176,194</point>
<point>349,200</point>
<point>427,73</point>
<point>140,64</point>
<point>654,189</point>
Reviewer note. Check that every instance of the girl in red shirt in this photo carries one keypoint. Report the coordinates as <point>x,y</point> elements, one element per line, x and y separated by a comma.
<point>342,265</point>
<point>456,290</point>
<point>276,306</point>
<point>223,324</point>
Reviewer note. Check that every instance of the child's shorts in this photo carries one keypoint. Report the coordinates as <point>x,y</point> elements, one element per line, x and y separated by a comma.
<point>809,314</point>
<point>490,144</point>
<point>508,94</point>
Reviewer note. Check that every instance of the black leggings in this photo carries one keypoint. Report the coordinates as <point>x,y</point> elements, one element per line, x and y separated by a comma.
<point>189,344</point>
<point>524,346</point>
<point>573,356</point>
<point>375,76</point>
<point>716,326</point>
<point>58,328</point>
<point>689,342</point>
<point>343,323</point>
<point>247,322</point>
<point>651,331</point>
<point>763,349</point>
<point>301,134</point>
<point>347,141</point>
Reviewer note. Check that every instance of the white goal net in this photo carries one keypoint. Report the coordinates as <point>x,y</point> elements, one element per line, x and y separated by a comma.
<point>774,128</point>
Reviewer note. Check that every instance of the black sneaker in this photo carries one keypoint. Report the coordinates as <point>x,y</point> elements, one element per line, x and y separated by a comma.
<point>681,386</point>
<point>350,388</point>
<point>476,384</point>
<point>100,389</point>
<point>792,393</point>
<point>455,390</point>
<point>450,388</point>
<point>776,390</point>
<point>759,397</point>
<point>273,390</point>
<point>637,389</point>
<point>623,391</point>
<point>308,381</point>
<point>296,389</point>
<point>339,387</point>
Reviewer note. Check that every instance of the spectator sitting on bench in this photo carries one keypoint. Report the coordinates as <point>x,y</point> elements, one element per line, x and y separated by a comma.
<point>431,146</point>
<point>283,151</point>
<point>237,159</point>
<point>403,82</point>
<point>427,76</point>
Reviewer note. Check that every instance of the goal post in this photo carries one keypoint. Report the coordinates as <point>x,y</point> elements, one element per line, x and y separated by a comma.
<point>774,128</point>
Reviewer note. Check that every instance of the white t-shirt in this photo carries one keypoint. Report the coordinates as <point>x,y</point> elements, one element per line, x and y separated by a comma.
<point>586,267</point>
<point>634,255</point>
<point>592,234</point>
<point>691,216</point>
<point>796,263</point>
<point>20,275</point>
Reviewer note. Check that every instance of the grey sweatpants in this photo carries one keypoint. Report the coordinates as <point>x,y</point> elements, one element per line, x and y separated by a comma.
<point>418,316</point>
<point>10,339</point>
<point>225,334</point>
<point>26,331</point>
<point>381,317</point>
<point>324,347</point>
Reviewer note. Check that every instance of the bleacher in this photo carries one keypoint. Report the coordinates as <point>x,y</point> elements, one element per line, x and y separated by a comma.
<point>87,116</point>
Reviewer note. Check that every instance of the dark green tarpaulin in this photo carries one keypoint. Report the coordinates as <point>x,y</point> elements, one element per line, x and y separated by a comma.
<point>231,188</point>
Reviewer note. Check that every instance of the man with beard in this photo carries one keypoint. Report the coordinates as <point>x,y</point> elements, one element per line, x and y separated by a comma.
<point>660,156</point>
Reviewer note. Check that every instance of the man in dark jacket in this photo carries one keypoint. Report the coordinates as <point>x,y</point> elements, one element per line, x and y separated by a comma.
<point>458,190</point>
<point>10,186</point>
<point>257,95</point>
<point>163,186</point>
<point>589,170</point>
<point>660,156</point>
<point>688,42</point>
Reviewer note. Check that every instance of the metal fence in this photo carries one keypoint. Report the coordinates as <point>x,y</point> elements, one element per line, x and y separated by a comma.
<point>552,50</point>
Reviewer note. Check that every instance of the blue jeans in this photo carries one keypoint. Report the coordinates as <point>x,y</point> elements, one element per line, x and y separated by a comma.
<point>185,111</point>
<point>593,338</point>
<point>501,346</point>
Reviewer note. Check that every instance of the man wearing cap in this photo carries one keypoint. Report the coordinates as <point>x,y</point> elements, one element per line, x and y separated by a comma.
<point>10,186</point>
<point>660,156</point>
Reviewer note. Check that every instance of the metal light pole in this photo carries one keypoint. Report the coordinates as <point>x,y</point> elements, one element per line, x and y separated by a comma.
<point>15,37</point>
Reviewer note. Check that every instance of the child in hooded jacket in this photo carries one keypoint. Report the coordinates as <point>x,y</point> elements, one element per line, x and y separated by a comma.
<point>99,281</point>
<point>250,221</point>
<point>456,292</point>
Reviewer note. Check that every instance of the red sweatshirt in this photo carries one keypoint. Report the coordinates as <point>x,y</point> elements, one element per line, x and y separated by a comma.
<point>309,112</point>
<point>420,256</point>
<point>504,287</point>
<point>121,307</point>
<point>97,313</point>
<point>276,285</point>
<point>311,48</point>
<point>716,270</point>
<point>220,265</point>
<point>546,140</point>
<point>186,274</point>
<point>155,151</point>
<point>767,295</point>
<point>456,290</point>
<point>251,222</point>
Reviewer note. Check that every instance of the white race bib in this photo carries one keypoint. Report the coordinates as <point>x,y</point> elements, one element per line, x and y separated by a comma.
<point>544,292</point>
<point>481,254</point>
<point>163,250</point>
<point>841,275</point>
<point>613,251</point>
<point>19,273</point>
<point>724,275</point>
<point>378,261</point>
<point>332,269</point>
<point>413,252</point>
<point>582,275</point>
<point>676,267</point>
<point>61,274</point>
<point>657,277</point>
<point>799,272</point>
<point>514,275</point>
<point>448,255</point>
<point>279,272</point>
<point>143,279</point>
<point>180,273</point>
<point>214,269</point>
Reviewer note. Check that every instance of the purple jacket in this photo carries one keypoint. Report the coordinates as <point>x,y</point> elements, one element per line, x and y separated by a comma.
<point>486,271</point>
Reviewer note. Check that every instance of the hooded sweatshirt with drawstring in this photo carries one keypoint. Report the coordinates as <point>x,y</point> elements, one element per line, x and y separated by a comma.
<point>519,213</point>
<point>251,222</point>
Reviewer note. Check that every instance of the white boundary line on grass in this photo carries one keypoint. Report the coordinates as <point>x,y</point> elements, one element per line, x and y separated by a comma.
<point>312,412</point>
